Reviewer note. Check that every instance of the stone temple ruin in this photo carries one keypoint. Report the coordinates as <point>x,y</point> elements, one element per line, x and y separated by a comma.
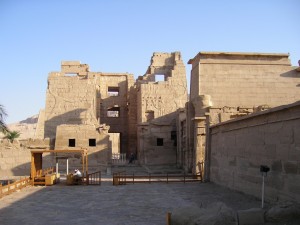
<point>242,111</point>
<point>109,113</point>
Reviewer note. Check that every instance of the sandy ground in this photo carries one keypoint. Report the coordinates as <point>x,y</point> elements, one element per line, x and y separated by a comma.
<point>132,204</point>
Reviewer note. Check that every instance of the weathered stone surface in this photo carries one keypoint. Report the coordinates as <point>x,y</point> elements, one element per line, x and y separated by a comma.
<point>214,214</point>
<point>254,216</point>
<point>15,157</point>
<point>157,106</point>
<point>239,84</point>
<point>285,212</point>
<point>257,143</point>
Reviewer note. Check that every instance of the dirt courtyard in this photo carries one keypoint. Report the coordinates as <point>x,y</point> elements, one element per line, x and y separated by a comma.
<point>132,204</point>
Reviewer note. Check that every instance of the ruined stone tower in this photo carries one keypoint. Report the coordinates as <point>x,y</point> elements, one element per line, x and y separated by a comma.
<point>158,102</point>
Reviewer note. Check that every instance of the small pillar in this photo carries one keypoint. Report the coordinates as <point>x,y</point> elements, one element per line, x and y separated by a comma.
<point>56,165</point>
<point>67,166</point>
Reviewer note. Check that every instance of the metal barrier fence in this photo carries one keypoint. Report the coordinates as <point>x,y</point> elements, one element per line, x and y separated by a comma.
<point>121,178</point>
<point>94,178</point>
<point>118,158</point>
<point>12,187</point>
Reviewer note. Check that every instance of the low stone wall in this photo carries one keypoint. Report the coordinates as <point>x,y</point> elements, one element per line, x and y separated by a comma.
<point>237,149</point>
<point>15,158</point>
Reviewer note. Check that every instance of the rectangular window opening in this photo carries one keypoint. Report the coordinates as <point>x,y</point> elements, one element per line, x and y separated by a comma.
<point>71,74</point>
<point>173,135</point>
<point>113,91</point>
<point>113,112</point>
<point>160,142</point>
<point>72,143</point>
<point>92,142</point>
<point>159,77</point>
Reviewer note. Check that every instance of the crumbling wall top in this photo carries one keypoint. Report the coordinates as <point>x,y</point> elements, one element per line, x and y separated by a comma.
<point>163,64</point>
<point>76,67</point>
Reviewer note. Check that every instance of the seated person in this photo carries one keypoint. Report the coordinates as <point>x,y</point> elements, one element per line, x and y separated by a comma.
<point>77,176</point>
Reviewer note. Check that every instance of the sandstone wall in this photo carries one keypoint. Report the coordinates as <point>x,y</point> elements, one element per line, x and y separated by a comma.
<point>272,138</point>
<point>157,105</point>
<point>245,79</point>
<point>132,116</point>
<point>85,137</point>
<point>228,85</point>
<point>76,96</point>
<point>120,124</point>
<point>70,100</point>
<point>40,126</point>
<point>15,158</point>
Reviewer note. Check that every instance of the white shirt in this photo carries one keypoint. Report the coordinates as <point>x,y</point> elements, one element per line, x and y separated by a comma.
<point>78,173</point>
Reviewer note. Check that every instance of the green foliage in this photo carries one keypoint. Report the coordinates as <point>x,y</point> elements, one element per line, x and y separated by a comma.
<point>12,135</point>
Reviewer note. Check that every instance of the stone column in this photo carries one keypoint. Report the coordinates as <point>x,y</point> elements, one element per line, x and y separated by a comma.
<point>199,141</point>
<point>201,104</point>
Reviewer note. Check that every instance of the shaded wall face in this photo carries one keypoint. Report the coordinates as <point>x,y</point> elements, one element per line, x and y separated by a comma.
<point>158,146</point>
<point>132,116</point>
<point>238,149</point>
<point>15,158</point>
<point>69,100</point>
<point>239,83</point>
<point>114,98</point>
<point>157,120</point>
<point>84,137</point>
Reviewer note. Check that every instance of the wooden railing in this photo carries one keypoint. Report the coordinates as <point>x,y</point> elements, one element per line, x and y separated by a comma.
<point>12,187</point>
<point>120,178</point>
<point>94,178</point>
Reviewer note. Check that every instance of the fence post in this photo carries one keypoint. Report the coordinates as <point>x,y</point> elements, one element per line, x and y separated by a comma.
<point>87,179</point>
<point>168,218</point>
<point>133,177</point>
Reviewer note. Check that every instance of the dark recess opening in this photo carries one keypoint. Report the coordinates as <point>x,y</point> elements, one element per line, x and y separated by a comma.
<point>160,141</point>
<point>92,142</point>
<point>72,142</point>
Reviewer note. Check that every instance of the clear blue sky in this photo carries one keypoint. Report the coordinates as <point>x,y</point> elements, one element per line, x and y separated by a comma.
<point>121,35</point>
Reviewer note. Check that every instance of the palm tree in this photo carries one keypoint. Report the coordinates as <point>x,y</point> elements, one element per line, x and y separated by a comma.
<point>12,135</point>
<point>3,127</point>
